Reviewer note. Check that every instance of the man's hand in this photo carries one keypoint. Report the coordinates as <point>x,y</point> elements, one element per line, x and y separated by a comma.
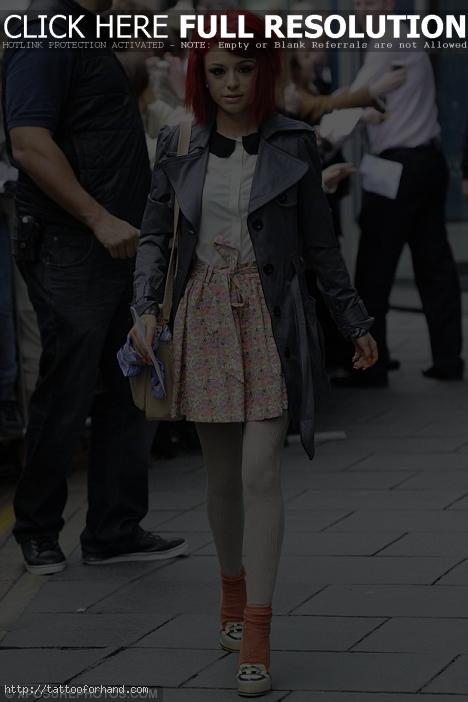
<point>40,157</point>
<point>334,174</point>
<point>117,236</point>
<point>373,116</point>
<point>292,99</point>
<point>366,352</point>
<point>176,75</point>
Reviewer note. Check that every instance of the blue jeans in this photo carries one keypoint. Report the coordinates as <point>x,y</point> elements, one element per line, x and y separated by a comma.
<point>8,361</point>
<point>81,297</point>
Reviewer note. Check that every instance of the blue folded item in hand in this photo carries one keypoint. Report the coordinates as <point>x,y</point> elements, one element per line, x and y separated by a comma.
<point>131,363</point>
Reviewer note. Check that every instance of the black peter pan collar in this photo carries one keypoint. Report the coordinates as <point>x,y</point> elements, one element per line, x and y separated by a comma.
<point>223,146</point>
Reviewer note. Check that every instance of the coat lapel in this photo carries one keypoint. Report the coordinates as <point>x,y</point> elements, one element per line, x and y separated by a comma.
<point>275,172</point>
<point>276,169</point>
<point>186,174</point>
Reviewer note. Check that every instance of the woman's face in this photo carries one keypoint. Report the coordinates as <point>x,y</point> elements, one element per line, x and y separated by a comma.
<point>231,80</point>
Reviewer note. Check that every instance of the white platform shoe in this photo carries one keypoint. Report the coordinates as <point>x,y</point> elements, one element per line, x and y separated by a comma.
<point>253,680</point>
<point>230,636</point>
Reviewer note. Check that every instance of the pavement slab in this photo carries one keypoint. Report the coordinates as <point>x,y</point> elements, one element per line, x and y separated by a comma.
<point>410,520</point>
<point>435,601</point>
<point>453,680</point>
<point>156,667</point>
<point>331,544</point>
<point>376,500</point>
<point>83,630</point>
<point>413,635</point>
<point>48,666</point>
<point>366,672</point>
<point>288,633</point>
<point>431,543</point>
<point>383,461</point>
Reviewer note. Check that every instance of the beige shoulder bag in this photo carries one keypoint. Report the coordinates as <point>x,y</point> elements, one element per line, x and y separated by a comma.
<point>143,398</point>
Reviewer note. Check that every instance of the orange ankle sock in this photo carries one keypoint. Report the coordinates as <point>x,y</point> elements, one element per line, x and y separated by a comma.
<point>255,645</point>
<point>233,597</point>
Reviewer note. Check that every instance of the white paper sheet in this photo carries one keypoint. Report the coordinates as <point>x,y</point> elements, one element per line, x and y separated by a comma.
<point>339,124</point>
<point>380,176</point>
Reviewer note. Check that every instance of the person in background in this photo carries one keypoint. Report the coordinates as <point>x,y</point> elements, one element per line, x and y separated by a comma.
<point>464,164</point>
<point>309,96</point>
<point>80,199</point>
<point>11,422</point>
<point>303,99</point>
<point>410,135</point>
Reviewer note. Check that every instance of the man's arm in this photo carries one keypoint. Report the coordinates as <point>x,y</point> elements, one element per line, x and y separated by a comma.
<point>37,88</point>
<point>35,152</point>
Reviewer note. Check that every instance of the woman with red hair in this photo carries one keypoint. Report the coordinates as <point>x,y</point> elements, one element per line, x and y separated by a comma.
<point>247,354</point>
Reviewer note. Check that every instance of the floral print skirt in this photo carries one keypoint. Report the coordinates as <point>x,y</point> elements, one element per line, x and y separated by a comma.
<point>226,363</point>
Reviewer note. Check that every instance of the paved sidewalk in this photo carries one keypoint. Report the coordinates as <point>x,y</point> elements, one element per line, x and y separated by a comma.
<point>372,596</point>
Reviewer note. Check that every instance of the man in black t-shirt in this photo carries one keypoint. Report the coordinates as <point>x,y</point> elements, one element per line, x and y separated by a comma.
<point>76,136</point>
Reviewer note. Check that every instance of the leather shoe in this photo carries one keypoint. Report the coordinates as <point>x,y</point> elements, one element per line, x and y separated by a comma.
<point>146,547</point>
<point>442,374</point>
<point>43,555</point>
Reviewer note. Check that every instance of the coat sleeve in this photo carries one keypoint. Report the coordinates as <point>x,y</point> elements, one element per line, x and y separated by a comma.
<point>152,258</point>
<point>320,249</point>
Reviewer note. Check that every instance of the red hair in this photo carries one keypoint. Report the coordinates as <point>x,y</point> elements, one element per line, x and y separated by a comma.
<point>197,96</point>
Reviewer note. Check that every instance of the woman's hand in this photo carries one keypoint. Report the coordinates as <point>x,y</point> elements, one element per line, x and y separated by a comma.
<point>388,82</point>
<point>151,324</point>
<point>366,352</point>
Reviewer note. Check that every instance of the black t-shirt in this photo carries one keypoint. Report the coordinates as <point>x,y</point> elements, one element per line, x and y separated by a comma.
<point>82,96</point>
<point>38,83</point>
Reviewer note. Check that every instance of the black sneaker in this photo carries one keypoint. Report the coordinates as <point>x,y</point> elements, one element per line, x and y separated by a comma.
<point>147,547</point>
<point>11,423</point>
<point>43,555</point>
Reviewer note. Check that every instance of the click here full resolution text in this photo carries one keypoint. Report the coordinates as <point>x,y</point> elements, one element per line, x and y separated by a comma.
<point>288,27</point>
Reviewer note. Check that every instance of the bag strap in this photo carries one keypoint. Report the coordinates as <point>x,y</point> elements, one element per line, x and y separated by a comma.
<point>183,146</point>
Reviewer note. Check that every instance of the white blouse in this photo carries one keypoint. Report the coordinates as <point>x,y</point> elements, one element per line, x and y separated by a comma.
<point>226,195</point>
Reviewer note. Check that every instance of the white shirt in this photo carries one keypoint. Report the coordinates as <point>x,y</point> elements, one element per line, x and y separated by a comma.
<point>412,115</point>
<point>226,195</point>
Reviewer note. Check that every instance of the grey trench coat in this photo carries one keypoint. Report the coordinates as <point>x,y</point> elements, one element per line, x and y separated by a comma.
<point>291,229</point>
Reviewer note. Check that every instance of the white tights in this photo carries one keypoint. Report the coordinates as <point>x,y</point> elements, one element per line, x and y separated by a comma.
<point>244,498</point>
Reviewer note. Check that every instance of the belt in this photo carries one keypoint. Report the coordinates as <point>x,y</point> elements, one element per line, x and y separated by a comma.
<point>435,143</point>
